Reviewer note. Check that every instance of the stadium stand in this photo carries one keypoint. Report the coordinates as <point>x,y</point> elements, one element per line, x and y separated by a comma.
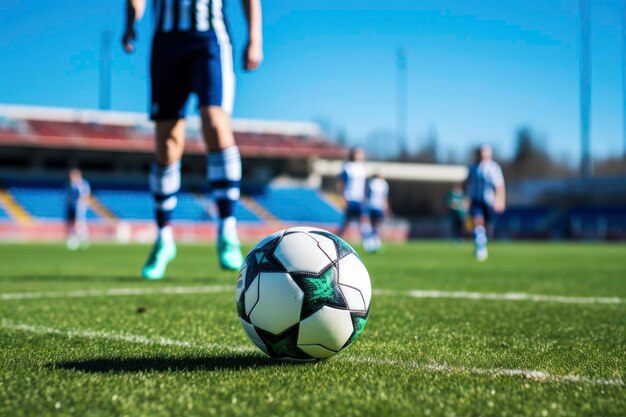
<point>592,222</point>
<point>3,215</point>
<point>45,200</point>
<point>55,128</point>
<point>296,204</point>
<point>138,205</point>
<point>44,203</point>
<point>526,221</point>
<point>127,204</point>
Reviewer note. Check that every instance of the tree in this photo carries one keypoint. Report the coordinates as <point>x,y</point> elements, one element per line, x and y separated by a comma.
<point>531,160</point>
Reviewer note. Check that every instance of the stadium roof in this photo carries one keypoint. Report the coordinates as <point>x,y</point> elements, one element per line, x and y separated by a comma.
<point>65,128</point>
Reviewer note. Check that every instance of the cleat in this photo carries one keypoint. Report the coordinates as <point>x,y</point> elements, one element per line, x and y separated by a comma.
<point>162,253</point>
<point>481,254</point>
<point>229,254</point>
<point>72,243</point>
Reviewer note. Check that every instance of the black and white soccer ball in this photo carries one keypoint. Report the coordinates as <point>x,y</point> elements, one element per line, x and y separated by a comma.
<point>303,294</point>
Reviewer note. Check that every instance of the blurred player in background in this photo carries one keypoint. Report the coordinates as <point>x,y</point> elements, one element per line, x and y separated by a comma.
<point>192,53</point>
<point>351,186</point>
<point>78,193</point>
<point>377,207</point>
<point>487,196</point>
<point>455,201</point>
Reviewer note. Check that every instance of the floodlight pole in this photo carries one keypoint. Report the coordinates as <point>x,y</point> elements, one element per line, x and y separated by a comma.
<point>105,71</point>
<point>624,72</point>
<point>586,168</point>
<point>402,86</point>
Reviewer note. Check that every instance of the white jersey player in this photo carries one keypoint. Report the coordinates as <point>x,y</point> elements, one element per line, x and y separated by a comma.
<point>486,191</point>
<point>76,203</point>
<point>377,205</point>
<point>351,186</point>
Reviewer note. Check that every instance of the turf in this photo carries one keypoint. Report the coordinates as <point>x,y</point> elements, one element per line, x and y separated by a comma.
<point>186,354</point>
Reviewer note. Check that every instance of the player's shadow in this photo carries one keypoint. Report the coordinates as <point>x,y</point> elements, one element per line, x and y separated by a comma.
<point>169,364</point>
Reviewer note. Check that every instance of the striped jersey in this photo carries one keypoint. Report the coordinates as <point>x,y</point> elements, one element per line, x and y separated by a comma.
<point>377,190</point>
<point>354,176</point>
<point>482,180</point>
<point>188,16</point>
<point>77,193</point>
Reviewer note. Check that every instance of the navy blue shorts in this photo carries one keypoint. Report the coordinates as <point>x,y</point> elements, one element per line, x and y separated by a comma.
<point>70,214</point>
<point>190,62</point>
<point>482,209</point>
<point>75,212</point>
<point>376,215</point>
<point>354,210</point>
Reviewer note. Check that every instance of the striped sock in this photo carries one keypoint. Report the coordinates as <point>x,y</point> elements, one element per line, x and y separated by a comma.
<point>164,184</point>
<point>480,237</point>
<point>224,176</point>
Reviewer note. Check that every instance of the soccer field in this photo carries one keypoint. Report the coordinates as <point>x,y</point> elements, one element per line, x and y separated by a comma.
<point>538,330</point>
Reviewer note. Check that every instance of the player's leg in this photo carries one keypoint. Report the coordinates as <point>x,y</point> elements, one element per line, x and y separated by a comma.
<point>376,218</point>
<point>224,178</point>
<point>348,217</point>
<point>366,229</point>
<point>164,181</point>
<point>480,231</point>
<point>82,231</point>
<point>213,80</point>
<point>457,223</point>
<point>170,88</point>
<point>72,240</point>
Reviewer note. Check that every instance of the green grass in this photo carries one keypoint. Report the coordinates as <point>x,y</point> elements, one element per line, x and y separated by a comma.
<point>46,371</point>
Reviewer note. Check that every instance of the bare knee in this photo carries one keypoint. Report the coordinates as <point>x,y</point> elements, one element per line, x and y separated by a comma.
<point>216,127</point>
<point>167,152</point>
<point>170,142</point>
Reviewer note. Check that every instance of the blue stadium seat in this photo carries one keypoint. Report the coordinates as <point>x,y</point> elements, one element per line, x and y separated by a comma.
<point>3,215</point>
<point>128,205</point>
<point>44,203</point>
<point>597,221</point>
<point>138,205</point>
<point>525,219</point>
<point>298,204</point>
<point>245,215</point>
<point>191,208</point>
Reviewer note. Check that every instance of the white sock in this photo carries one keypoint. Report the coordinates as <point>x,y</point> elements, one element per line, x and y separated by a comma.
<point>166,234</point>
<point>227,227</point>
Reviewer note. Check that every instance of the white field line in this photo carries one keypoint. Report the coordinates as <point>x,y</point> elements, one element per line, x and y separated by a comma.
<point>495,372</point>
<point>122,337</point>
<point>115,292</point>
<point>509,296</point>
<point>225,288</point>
<point>431,367</point>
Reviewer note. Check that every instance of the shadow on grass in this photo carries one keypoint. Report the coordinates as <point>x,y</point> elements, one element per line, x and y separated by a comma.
<point>169,364</point>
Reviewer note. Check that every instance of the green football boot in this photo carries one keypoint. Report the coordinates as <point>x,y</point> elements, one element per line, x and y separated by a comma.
<point>162,254</point>
<point>229,253</point>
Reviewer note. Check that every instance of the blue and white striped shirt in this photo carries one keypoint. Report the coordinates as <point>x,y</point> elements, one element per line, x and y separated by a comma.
<point>482,180</point>
<point>354,177</point>
<point>188,16</point>
<point>77,193</point>
<point>377,191</point>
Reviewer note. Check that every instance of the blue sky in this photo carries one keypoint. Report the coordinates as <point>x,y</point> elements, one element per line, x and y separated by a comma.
<point>478,70</point>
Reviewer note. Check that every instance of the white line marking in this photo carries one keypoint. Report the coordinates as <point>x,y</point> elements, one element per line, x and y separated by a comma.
<point>116,292</point>
<point>432,367</point>
<point>226,288</point>
<point>509,296</point>
<point>496,372</point>
<point>122,337</point>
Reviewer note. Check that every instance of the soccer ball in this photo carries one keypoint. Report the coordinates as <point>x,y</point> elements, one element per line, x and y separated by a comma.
<point>303,294</point>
